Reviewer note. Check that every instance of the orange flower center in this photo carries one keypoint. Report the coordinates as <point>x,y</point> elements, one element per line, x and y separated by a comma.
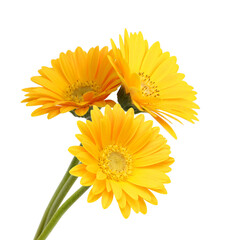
<point>76,90</point>
<point>115,162</point>
<point>80,91</point>
<point>148,88</point>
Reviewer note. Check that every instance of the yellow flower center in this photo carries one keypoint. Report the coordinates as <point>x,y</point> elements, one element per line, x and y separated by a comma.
<point>76,90</point>
<point>148,88</point>
<point>115,162</point>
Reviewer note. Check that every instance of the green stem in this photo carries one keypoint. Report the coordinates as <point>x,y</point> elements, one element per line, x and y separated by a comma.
<point>58,200</point>
<point>60,212</point>
<point>74,162</point>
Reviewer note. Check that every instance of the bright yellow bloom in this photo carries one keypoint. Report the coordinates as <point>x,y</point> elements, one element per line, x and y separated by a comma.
<point>122,156</point>
<point>151,79</point>
<point>76,81</point>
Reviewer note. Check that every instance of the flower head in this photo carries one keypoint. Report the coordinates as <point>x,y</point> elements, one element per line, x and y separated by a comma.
<point>76,81</point>
<point>122,156</point>
<point>150,77</point>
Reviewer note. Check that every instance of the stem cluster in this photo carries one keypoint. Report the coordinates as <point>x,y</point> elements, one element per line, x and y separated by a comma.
<point>53,212</point>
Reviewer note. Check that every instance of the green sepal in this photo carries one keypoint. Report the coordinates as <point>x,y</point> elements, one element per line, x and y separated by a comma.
<point>125,101</point>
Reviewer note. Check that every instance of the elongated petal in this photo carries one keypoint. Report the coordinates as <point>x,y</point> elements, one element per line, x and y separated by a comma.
<point>126,211</point>
<point>150,178</point>
<point>107,198</point>
<point>116,189</point>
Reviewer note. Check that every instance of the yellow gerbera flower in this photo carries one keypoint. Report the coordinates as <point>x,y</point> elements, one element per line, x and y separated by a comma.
<point>77,81</point>
<point>122,156</point>
<point>151,79</point>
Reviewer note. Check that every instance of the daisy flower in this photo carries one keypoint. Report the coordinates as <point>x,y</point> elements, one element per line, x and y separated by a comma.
<point>151,79</point>
<point>122,156</point>
<point>76,81</point>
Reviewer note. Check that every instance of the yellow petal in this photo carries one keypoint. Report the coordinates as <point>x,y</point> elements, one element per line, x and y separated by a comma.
<point>165,125</point>
<point>53,113</point>
<point>83,127</point>
<point>89,146</point>
<point>107,198</point>
<point>134,191</point>
<point>151,59</point>
<point>129,189</point>
<point>93,197</point>
<point>100,175</point>
<point>116,189</point>
<point>87,179</point>
<point>98,186</point>
<point>81,111</point>
<point>108,186</point>
<point>142,204</point>
<point>122,200</point>
<point>67,109</point>
<point>78,170</point>
<point>134,204</point>
<point>93,168</point>
<point>153,159</point>
<point>150,178</point>
<point>48,84</point>
<point>126,211</point>
<point>110,103</point>
<point>161,190</point>
<point>75,150</point>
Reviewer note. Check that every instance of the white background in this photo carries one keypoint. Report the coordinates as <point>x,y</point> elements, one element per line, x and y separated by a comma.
<point>203,200</point>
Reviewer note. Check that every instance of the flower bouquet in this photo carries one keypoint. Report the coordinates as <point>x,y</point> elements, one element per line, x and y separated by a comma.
<point>120,155</point>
